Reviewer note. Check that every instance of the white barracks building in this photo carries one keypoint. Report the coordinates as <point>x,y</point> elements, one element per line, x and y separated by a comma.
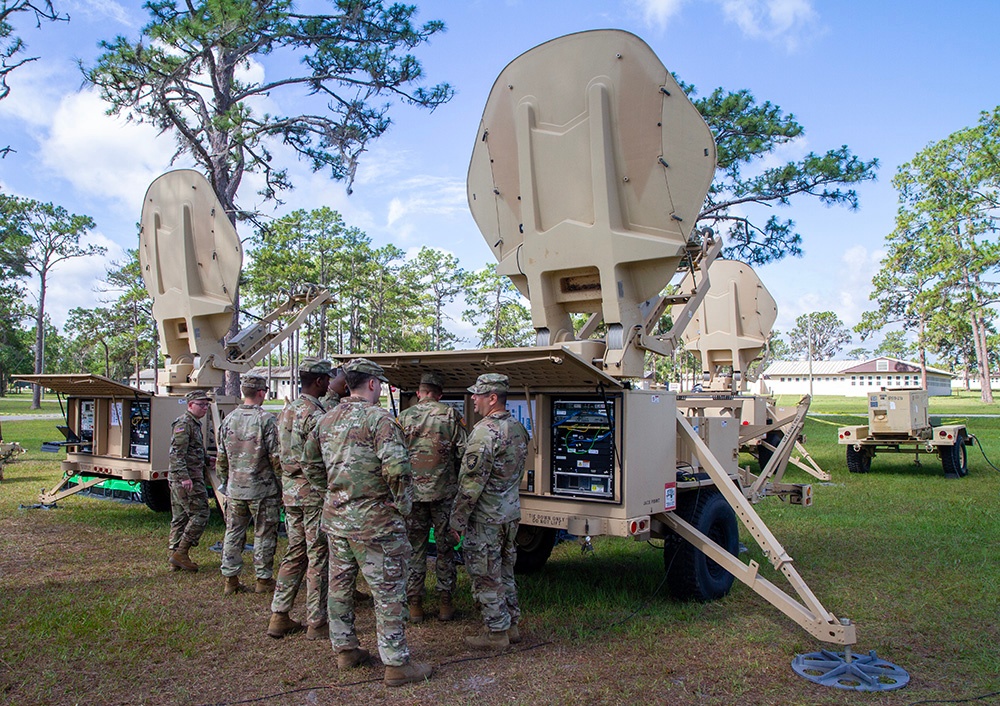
<point>851,378</point>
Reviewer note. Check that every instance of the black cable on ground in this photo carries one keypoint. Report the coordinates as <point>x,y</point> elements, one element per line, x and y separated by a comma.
<point>957,701</point>
<point>980,444</point>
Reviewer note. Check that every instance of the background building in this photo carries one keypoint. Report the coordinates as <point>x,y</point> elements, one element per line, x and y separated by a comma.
<point>852,378</point>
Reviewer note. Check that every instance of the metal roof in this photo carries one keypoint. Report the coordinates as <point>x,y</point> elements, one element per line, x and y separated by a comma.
<point>535,368</point>
<point>843,367</point>
<point>84,385</point>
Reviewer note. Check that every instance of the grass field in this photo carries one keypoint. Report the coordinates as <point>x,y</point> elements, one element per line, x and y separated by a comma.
<point>91,615</point>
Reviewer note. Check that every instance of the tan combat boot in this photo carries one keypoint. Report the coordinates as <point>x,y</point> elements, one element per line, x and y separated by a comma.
<point>233,585</point>
<point>348,659</point>
<point>264,586</point>
<point>513,634</point>
<point>321,632</point>
<point>409,672</point>
<point>416,610</point>
<point>171,565</point>
<point>281,625</point>
<point>180,557</point>
<point>488,640</point>
<point>446,610</point>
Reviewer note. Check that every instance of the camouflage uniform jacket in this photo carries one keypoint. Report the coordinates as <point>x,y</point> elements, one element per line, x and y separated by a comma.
<point>248,453</point>
<point>294,424</point>
<point>187,450</point>
<point>364,467</point>
<point>436,437</point>
<point>491,472</point>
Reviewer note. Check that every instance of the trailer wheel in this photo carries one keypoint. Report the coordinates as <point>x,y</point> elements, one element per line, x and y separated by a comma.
<point>690,574</point>
<point>764,454</point>
<point>534,545</point>
<point>156,495</point>
<point>859,461</point>
<point>955,459</point>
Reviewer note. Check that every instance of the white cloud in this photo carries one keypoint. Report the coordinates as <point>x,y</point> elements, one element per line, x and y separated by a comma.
<point>780,21</point>
<point>109,9</point>
<point>658,12</point>
<point>424,196</point>
<point>101,155</point>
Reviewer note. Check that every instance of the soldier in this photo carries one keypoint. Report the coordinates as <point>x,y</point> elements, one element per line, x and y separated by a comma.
<point>488,510</point>
<point>247,466</point>
<point>307,548</point>
<point>336,390</point>
<point>435,435</point>
<point>186,477</point>
<point>365,473</point>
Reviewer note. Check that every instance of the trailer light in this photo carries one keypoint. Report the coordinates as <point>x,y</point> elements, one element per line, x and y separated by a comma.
<point>746,423</point>
<point>942,433</point>
<point>642,524</point>
<point>633,527</point>
<point>845,434</point>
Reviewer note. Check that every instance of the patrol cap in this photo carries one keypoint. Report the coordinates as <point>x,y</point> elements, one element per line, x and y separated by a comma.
<point>254,381</point>
<point>491,382</point>
<point>368,367</point>
<point>315,366</point>
<point>197,395</point>
<point>431,379</point>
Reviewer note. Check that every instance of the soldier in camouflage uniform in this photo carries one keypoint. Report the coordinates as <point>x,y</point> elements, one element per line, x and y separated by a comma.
<point>307,547</point>
<point>365,473</point>
<point>336,390</point>
<point>488,510</point>
<point>186,477</point>
<point>435,435</point>
<point>248,465</point>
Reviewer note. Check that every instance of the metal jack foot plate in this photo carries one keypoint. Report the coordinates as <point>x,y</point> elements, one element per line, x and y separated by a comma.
<point>862,673</point>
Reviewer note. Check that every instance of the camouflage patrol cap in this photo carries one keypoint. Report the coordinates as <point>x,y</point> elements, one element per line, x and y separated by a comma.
<point>431,379</point>
<point>195,395</point>
<point>491,382</point>
<point>254,381</point>
<point>368,367</point>
<point>314,366</point>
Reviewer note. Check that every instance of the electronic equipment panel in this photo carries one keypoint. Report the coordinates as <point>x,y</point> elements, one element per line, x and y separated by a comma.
<point>139,429</point>
<point>583,448</point>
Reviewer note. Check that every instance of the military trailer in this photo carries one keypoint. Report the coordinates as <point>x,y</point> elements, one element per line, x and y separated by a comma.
<point>191,258</point>
<point>898,423</point>
<point>589,169</point>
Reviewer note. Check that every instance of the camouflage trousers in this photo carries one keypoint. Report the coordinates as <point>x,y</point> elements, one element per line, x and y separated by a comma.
<point>489,552</point>
<point>265,513</point>
<point>189,513</point>
<point>307,556</point>
<point>418,524</point>
<point>383,563</point>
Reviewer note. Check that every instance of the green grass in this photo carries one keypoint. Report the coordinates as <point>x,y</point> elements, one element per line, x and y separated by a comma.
<point>20,403</point>
<point>960,402</point>
<point>907,554</point>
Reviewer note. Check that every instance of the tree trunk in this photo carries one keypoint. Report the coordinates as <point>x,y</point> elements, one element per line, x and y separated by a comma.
<point>36,391</point>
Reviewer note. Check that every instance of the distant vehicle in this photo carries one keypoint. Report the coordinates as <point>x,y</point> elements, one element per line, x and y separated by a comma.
<point>898,423</point>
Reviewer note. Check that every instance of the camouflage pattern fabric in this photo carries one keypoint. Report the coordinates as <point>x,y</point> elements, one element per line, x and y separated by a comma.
<point>187,450</point>
<point>418,524</point>
<point>188,508</point>
<point>489,552</point>
<point>307,555</point>
<point>357,454</point>
<point>435,437</point>
<point>487,510</point>
<point>383,563</point>
<point>266,514</point>
<point>491,472</point>
<point>249,458</point>
<point>331,399</point>
<point>189,513</point>
<point>295,422</point>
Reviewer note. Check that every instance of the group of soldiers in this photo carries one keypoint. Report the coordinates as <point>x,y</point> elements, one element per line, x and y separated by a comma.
<point>361,491</point>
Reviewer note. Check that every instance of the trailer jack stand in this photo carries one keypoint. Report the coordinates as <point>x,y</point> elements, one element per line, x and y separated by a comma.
<point>842,670</point>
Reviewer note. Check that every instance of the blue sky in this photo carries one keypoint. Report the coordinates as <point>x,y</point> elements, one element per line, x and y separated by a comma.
<point>884,78</point>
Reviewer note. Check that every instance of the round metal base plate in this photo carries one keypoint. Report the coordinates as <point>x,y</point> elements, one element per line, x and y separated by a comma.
<point>862,673</point>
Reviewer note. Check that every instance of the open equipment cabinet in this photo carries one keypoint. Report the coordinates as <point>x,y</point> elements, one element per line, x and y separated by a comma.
<point>191,258</point>
<point>589,169</point>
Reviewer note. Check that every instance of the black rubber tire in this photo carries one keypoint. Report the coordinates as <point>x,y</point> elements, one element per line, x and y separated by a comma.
<point>692,576</point>
<point>534,545</point>
<point>156,495</point>
<point>955,459</point>
<point>859,461</point>
<point>764,454</point>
